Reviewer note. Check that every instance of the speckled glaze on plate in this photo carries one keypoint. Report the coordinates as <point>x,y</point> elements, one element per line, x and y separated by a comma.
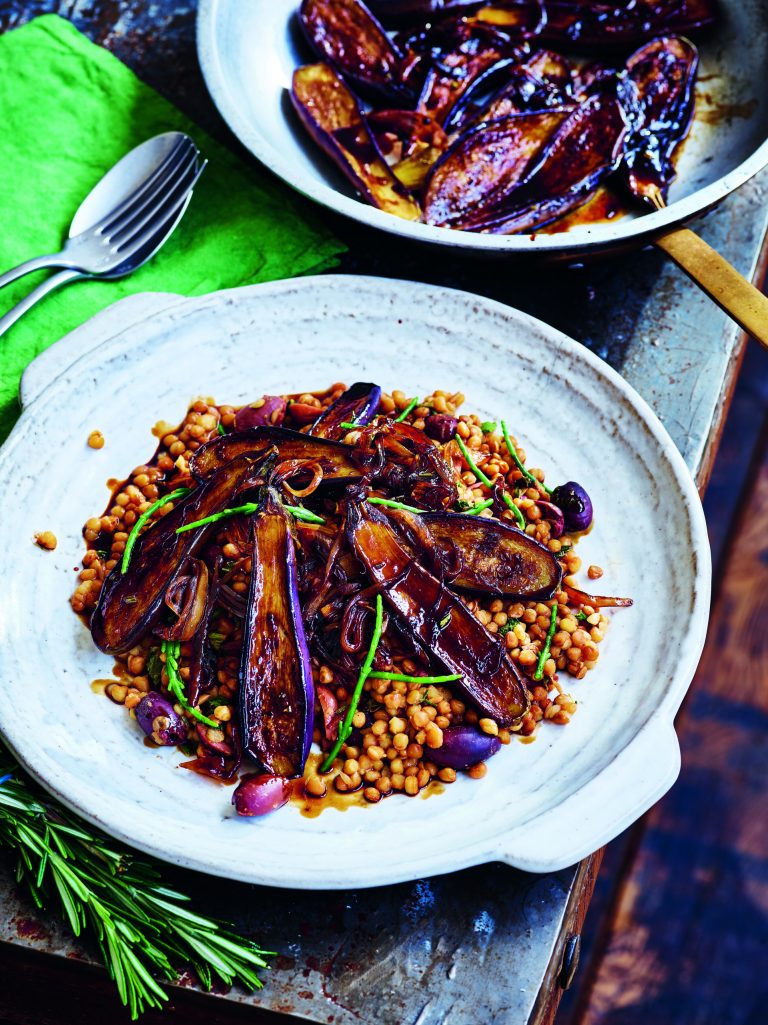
<point>248,50</point>
<point>543,805</point>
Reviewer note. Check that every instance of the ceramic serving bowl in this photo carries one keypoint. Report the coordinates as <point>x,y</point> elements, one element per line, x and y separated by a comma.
<point>542,805</point>
<point>249,49</point>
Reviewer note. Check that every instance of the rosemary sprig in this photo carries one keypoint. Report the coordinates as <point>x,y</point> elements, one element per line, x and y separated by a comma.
<point>483,478</point>
<point>544,654</point>
<point>346,727</point>
<point>178,493</point>
<point>518,463</point>
<point>143,929</point>
<point>171,650</point>
<point>408,409</point>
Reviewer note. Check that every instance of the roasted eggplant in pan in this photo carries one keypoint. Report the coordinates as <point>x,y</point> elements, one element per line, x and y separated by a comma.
<point>439,141</point>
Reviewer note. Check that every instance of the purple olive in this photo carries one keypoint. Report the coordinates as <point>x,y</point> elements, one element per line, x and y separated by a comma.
<point>575,504</point>
<point>554,515</point>
<point>160,721</point>
<point>463,746</point>
<point>270,413</point>
<point>440,427</point>
<point>261,794</point>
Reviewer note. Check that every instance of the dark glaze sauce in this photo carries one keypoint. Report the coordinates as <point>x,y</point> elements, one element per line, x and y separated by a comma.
<point>311,807</point>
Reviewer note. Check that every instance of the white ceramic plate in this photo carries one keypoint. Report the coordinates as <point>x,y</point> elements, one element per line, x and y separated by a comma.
<point>542,806</point>
<point>249,49</point>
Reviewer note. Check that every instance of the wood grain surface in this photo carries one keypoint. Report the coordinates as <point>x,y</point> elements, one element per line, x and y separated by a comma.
<point>685,935</point>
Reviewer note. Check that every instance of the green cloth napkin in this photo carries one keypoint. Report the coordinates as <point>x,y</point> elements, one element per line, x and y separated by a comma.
<point>69,110</point>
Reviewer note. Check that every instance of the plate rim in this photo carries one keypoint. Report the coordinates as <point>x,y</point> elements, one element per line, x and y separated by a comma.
<point>658,732</point>
<point>637,231</point>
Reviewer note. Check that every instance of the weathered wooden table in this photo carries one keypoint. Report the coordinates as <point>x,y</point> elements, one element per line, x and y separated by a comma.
<point>486,945</point>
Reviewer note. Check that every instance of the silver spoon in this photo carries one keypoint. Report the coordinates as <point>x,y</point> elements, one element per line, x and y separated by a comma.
<point>123,221</point>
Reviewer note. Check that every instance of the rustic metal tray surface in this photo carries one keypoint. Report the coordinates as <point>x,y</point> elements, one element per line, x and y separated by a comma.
<point>484,945</point>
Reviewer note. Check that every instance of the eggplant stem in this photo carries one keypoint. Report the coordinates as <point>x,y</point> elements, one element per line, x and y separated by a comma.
<point>346,727</point>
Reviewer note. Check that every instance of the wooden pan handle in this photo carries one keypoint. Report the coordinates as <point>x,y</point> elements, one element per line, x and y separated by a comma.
<point>721,281</point>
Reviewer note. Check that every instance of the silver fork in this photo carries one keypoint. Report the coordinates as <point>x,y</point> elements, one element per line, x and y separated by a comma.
<point>127,235</point>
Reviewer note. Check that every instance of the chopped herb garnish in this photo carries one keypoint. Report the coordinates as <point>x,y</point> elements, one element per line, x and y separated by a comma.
<point>508,627</point>
<point>102,553</point>
<point>217,702</point>
<point>171,650</point>
<point>220,428</point>
<point>300,513</point>
<point>347,425</point>
<point>582,616</point>
<point>246,510</point>
<point>216,639</point>
<point>394,505</point>
<point>516,460</point>
<point>563,550</point>
<point>420,681</point>
<point>408,409</point>
<point>346,727</point>
<point>520,519</point>
<point>178,493</point>
<point>480,507</point>
<point>131,599</point>
<point>488,427</point>
<point>154,667</point>
<point>445,621</point>
<point>544,654</point>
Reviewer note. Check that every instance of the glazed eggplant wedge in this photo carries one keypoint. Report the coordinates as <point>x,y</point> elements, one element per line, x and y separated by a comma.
<point>333,118</point>
<point>486,556</point>
<point>276,691</point>
<point>658,99</point>
<point>438,621</point>
<point>133,597</point>
<point>358,405</point>
<point>471,69</point>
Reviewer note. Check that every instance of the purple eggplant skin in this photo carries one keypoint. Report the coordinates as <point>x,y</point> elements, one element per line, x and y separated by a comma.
<point>334,458</point>
<point>276,690</point>
<point>333,119</point>
<point>658,95</point>
<point>463,747</point>
<point>260,794</point>
<point>583,152</point>
<point>270,413</point>
<point>587,25</point>
<point>440,427</point>
<point>575,504</point>
<point>130,604</point>
<point>437,620</point>
<point>358,405</point>
<point>495,557</point>
<point>160,721</point>
<point>486,164</point>
<point>346,35</point>
<point>401,13</point>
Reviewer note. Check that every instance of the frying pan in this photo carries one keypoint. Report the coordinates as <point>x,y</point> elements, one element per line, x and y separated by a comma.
<point>248,50</point>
